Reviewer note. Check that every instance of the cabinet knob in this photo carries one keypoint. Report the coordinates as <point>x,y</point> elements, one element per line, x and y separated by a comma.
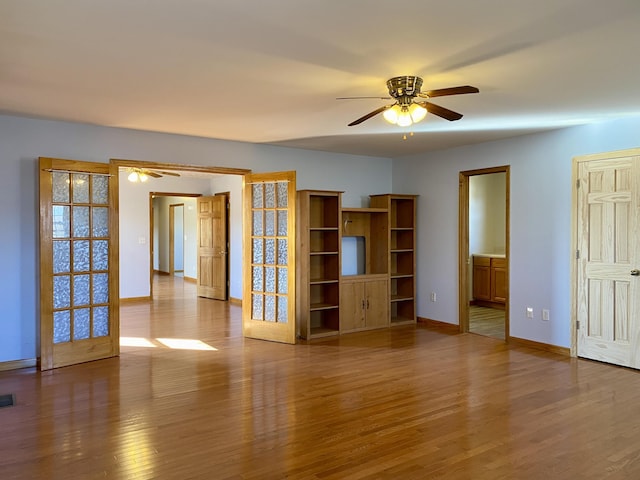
<point>635,272</point>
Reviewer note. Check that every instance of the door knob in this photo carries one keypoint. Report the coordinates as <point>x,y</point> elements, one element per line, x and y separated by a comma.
<point>635,272</point>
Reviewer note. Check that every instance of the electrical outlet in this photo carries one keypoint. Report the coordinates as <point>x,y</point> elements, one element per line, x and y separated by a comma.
<point>529,312</point>
<point>433,296</point>
<point>545,314</point>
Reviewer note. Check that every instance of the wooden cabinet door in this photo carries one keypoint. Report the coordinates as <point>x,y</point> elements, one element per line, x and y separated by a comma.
<point>352,306</point>
<point>481,282</point>
<point>499,284</point>
<point>377,304</point>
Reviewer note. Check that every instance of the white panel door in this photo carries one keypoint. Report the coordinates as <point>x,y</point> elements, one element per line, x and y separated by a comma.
<point>608,282</point>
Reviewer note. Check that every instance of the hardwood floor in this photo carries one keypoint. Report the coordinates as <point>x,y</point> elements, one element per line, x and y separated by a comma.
<point>400,403</point>
<point>487,321</point>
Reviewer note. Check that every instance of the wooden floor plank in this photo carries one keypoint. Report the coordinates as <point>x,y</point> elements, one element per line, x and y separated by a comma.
<point>401,403</point>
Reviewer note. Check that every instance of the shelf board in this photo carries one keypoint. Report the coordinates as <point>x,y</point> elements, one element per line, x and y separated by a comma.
<point>401,298</point>
<point>318,281</point>
<point>324,253</point>
<point>401,229</point>
<point>401,250</point>
<point>324,229</point>
<point>401,275</point>
<point>401,320</point>
<point>365,210</point>
<point>322,332</point>
<point>322,306</point>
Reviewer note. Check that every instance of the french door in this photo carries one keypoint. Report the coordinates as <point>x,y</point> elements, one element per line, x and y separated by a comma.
<point>268,306</point>
<point>608,250</point>
<point>79,298</point>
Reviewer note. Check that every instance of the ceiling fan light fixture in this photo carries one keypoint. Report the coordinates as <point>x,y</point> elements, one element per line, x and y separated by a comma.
<point>143,177</point>
<point>417,112</point>
<point>133,177</point>
<point>404,118</point>
<point>391,114</point>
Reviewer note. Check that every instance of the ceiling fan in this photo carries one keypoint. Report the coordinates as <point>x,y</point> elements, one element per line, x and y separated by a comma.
<point>407,109</point>
<point>143,174</point>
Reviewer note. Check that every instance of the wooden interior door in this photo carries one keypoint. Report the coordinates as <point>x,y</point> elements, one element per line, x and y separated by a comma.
<point>212,247</point>
<point>608,285</point>
<point>268,305</point>
<point>79,296</point>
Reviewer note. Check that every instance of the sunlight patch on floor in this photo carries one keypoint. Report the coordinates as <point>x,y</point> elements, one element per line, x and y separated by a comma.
<point>173,343</point>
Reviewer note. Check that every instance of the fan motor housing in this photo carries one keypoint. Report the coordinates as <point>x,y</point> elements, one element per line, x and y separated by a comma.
<point>406,86</point>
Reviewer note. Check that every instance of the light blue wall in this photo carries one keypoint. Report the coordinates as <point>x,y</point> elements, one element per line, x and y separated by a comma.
<point>23,140</point>
<point>540,207</point>
<point>540,220</point>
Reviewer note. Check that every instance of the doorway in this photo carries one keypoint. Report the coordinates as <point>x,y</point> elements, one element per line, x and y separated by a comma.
<point>484,252</point>
<point>176,239</point>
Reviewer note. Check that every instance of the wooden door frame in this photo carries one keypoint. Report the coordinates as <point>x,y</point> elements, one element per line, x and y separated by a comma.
<point>153,195</point>
<point>172,238</point>
<point>463,244</point>
<point>117,163</point>
<point>227,226</point>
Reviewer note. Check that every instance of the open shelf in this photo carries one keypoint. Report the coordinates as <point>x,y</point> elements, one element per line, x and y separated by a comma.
<point>401,257</point>
<point>318,263</point>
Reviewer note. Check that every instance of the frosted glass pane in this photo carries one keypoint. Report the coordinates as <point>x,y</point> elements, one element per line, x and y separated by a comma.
<point>256,310</point>
<point>100,254</point>
<point>270,308</point>
<point>269,195</point>
<point>257,223</point>
<point>257,250</point>
<point>80,187</point>
<point>61,256</point>
<point>101,321</point>
<point>61,326</point>
<point>283,312</point>
<point>282,223</point>
<point>61,222</point>
<point>282,251</point>
<point>100,288</point>
<point>80,221</point>
<point>270,279</point>
<point>283,194</point>
<point>100,222</point>
<point>80,290</point>
<point>269,251</point>
<point>81,324</point>
<point>257,279</point>
<point>60,187</point>
<point>62,291</point>
<point>269,223</point>
<point>283,277</point>
<point>81,256</point>
<point>257,196</point>
<point>100,191</point>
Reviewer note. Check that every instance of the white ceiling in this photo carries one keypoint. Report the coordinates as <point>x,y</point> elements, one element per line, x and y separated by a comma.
<point>268,71</point>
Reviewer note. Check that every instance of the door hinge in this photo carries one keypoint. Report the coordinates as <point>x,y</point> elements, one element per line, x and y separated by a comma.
<point>577,324</point>
<point>577,254</point>
<point>578,183</point>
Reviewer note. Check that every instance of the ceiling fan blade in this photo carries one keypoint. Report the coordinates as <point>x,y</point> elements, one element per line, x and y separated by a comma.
<point>151,174</point>
<point>173,174</point>
<point>441,111</point>
<point>441,92</point>
<point>370,114</point>
<point>358,98</point>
